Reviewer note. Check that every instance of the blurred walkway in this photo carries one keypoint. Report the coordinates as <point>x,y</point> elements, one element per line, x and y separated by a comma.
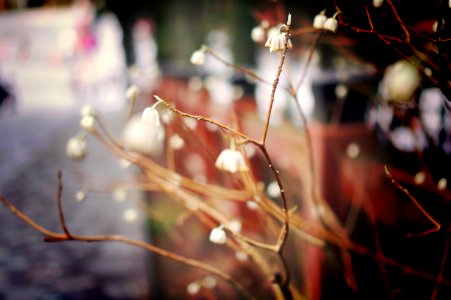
<point>56,61</point>
<point>31,151</point>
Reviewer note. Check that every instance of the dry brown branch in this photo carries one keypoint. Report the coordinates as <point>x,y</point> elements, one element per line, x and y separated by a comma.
<point>437,225</point>
<point>51,236</point>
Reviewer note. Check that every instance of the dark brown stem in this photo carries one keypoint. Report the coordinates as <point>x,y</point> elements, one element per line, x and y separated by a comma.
<point>60,207</point>
<point>57,237</point>
<point>442,267</point>
<point>437,225</point>
<point>401,23</point>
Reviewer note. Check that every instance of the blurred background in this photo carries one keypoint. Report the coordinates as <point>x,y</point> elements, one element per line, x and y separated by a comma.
<point>58,56</point>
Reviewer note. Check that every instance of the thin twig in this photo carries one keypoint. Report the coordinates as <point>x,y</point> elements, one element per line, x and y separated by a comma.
<point>60,207</point>
<point>437,225</point>
<point>235,66</point>
<point>401,23</point>
<point>307,64</point>
<point>51,236</point>
<point>442,267</point>
<point>205,119</point>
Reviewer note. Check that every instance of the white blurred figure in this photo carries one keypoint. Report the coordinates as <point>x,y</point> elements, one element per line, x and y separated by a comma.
<point>145,71</point>
<point>110,67</point>
<point>267,64</point>
<point>431,104</point>
<point>219,83</point>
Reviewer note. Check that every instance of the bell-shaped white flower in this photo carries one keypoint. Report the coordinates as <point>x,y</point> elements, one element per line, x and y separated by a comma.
<point>143,137</point>
<point>218,235</point>
<point>198,56</point>
<point>331,24</point>
<point>151,116</point>
<point>276,39</point>
<point>319,20</point>
<point>87,122</point>
<point>76,148</point>
<point>400,82</point>
<point>231,160</point>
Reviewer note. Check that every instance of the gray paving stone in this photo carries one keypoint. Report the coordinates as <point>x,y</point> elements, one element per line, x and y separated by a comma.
<point>33,148</point>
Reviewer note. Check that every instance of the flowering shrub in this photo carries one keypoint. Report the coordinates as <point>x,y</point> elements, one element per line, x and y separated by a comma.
<point>291,223</point>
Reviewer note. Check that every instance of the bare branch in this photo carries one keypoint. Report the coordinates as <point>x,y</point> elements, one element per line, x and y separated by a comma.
<point>60,208</point>
<point>437,225</point>
<point>57,237</point>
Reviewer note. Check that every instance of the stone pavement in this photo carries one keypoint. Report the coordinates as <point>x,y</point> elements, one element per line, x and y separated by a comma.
<point>32,148</point>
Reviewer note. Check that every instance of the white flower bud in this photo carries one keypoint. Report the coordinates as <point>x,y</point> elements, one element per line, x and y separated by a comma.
<point>273,189</point>
<point>258,34</point>
<point>331,24</point>
<point>87,122</point>
<point>209,282</point>
<point>76,148</point>
<point>87,110</point>
<point>442,184</point>
<point>80,196</point>
<point>378,3</point>
<point>130,215</point>
<point>218,235</point>
<point>400,82</point>
<point>151,116</point>
<point>276,40</point>
<point>252,205</point>
<point>198,57</point>
<point>142,137</point>
<point>231,161</point>
<point>119,194</point>
<point>419,178</point>
<point>176,142</point>
<point>193,288</point>
<point>319,20</point>
<point>235,225</point>
<point>132,92</point>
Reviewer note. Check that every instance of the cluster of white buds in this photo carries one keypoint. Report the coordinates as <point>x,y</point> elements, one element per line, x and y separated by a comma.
<point>218,235</point>
<point>231,160</point>
<point>259,31</point>
<point>76,147</point>
<point>322,22</point>
<point>87,118</point>
<point>198,56</point>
